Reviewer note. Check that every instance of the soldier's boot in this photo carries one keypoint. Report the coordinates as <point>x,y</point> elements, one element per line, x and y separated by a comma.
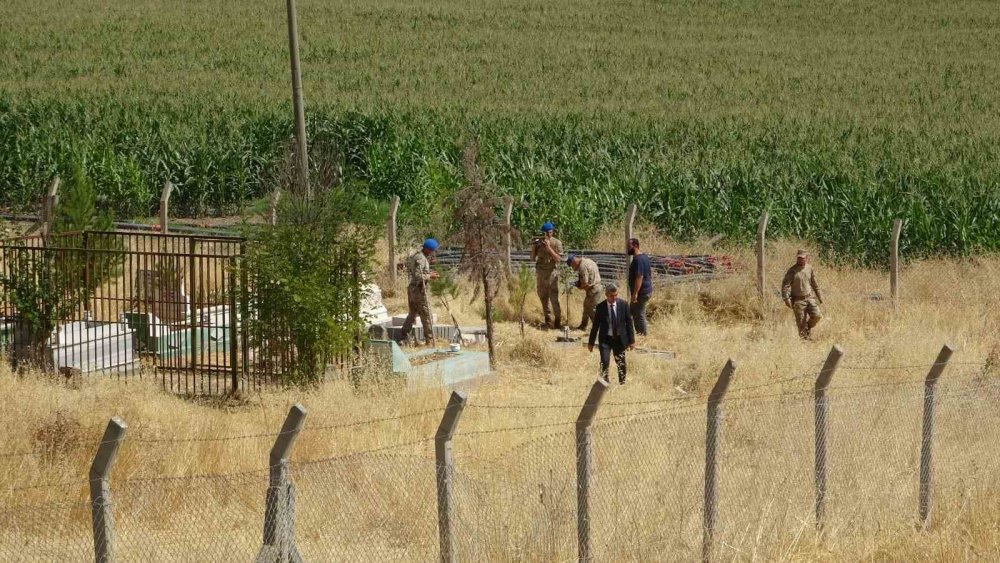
<point>548,322</point>
<point>583,324</point>
<point>558,324</point>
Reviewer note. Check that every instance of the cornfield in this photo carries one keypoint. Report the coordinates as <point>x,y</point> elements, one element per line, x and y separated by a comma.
<point>836,118</point>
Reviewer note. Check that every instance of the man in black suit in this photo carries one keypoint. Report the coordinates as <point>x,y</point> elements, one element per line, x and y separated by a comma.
<point>613,331</point>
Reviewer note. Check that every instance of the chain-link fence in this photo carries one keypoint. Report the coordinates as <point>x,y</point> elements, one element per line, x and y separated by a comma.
<point>837,463</point>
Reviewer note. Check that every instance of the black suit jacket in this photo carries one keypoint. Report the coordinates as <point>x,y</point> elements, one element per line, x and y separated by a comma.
<point>602,321</point>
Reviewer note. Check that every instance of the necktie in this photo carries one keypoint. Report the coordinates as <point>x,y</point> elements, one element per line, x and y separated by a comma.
<point>614,321</point>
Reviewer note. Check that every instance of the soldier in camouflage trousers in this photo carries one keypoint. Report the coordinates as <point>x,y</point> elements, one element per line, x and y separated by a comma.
<point>801,294</point>
<point>546,253</point>
<point>589,280</point>
<point>419,305</point>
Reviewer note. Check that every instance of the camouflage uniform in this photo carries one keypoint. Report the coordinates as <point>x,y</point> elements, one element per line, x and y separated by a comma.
<point>416,292</point>
<point>800,287</point>
<point>589,280</point>
<point>547,281</point>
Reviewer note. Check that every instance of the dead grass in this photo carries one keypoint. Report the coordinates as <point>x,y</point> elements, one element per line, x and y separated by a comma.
<point>518,485</point>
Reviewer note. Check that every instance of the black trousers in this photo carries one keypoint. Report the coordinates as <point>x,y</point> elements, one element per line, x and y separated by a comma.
<point>613,346</point>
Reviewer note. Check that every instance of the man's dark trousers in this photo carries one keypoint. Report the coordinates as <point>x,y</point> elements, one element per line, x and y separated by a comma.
<point>613,346</point>
<point>638,310</point>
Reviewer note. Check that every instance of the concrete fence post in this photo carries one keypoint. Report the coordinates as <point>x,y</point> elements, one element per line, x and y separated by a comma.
<point>390,237</point>
<point>713,423</point>
<point>279,509</point>
<point>822,408</point>
<point>168,188</point>
<point>897,228</point>
<point>49,206</point>
<point>584,466</point>
<point>927,436</point>
<point>100,491</point>
<point>508,211</point>
<point>629,234</point>
<point>444,473</point>
<point>272,208</point>
<point>761,235</point>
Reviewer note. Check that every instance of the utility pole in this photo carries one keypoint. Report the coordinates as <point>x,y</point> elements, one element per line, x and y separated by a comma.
<point>301,150</point>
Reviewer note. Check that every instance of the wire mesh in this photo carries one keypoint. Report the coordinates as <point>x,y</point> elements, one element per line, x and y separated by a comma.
<point>46,531</point>
<point>376,506</point>
<point>197,518</point>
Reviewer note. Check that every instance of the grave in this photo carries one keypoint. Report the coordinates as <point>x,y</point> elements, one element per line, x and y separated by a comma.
<point>432,367</point>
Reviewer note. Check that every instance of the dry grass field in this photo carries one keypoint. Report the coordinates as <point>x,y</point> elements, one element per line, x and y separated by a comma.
<point>189,483</point>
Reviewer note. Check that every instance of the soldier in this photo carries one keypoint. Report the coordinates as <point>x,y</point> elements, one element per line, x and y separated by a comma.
<point>801,294</point>
<point>589,280</point>
<point>546,253</point>
<point>420,273</point>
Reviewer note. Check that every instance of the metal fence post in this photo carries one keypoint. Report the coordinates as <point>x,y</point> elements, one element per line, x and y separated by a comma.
<point>234,367</point>
<point>761,234</point>
<point>584,466</point>
<point>629,234</point>
<point>444,471</point>
<point>508,211</point>
<point>897,228</point>
<point>100,491</point>
<point>390,237</point>
<point>822,407</point>
<point>927,441</point>
<point>193,307</point>
<point>279,512</point>
<point>713,420</point>
<point>168,188</point>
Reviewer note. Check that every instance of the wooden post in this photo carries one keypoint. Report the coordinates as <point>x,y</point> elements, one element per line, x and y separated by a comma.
<point>100,491</point>
<point>390,237</point>
<point>629,224</point>
<point>897,228</point>
<point>585,466</point>
<point>279,514</point>
<point>927,436</point>
<point>168,188</point>
<point>49,206</point>
<point>301,149</point>
<point>761,234</point>
<point>508,211</point>
<point>444,470</point>
<point>822,407</point>
<point>713,420</point>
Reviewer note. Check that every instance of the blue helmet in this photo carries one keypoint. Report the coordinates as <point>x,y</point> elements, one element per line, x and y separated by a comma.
<point>569,259</point>
<point>548,227</point>
<point>431,244</point>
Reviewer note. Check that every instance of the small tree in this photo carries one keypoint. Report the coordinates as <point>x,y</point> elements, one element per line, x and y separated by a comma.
<point>47,284</point>
<point>482,236</point>
<point>446,289</point>
<point>520,287</point>
<point>307,275</point>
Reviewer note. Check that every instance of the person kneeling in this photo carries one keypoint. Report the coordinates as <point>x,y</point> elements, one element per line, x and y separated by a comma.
<point>613,331</point>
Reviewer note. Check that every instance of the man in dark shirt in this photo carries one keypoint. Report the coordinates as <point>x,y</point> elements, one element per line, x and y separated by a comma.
<point>640,285</point>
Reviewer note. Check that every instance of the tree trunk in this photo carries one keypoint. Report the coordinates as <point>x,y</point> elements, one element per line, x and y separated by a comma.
<point>488,298</point>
